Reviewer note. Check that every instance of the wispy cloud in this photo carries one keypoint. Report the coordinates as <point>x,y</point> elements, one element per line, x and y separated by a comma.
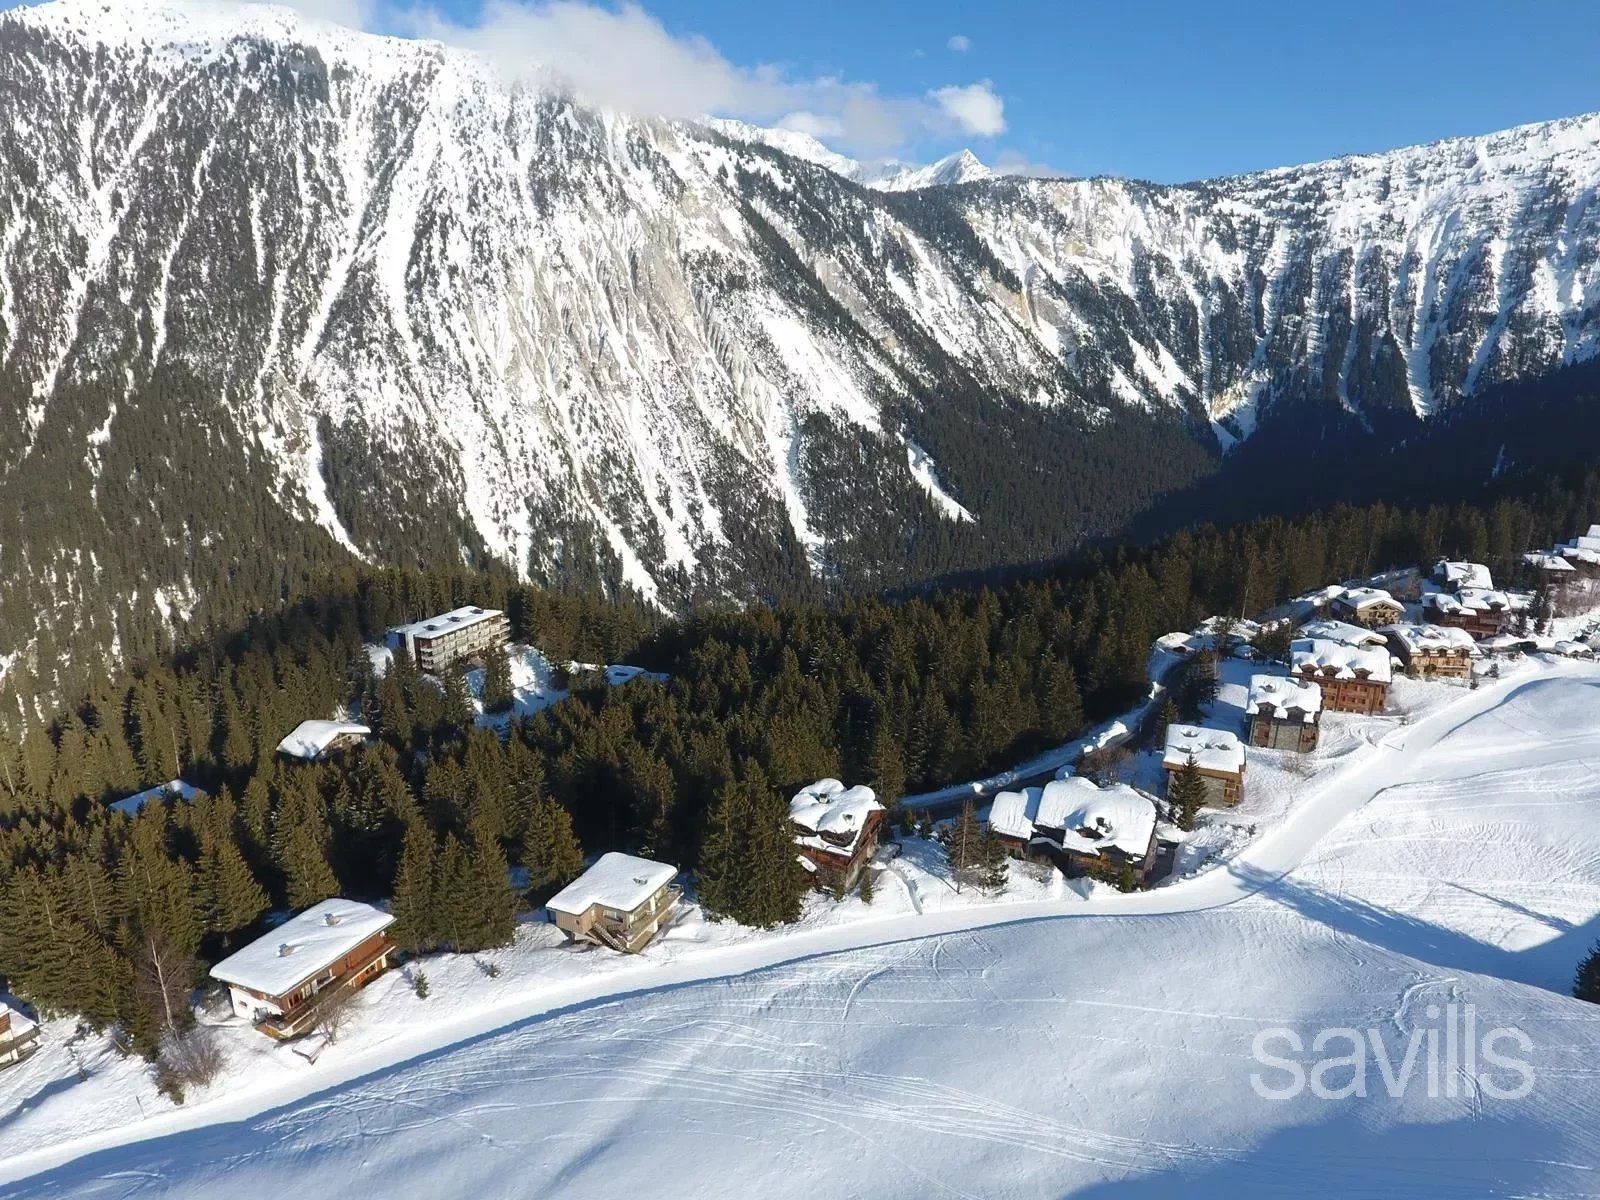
<point>624,57</point>
<point>960,43</point>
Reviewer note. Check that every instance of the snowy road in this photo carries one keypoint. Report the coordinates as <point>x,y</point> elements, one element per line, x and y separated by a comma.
<point>989,1052</point>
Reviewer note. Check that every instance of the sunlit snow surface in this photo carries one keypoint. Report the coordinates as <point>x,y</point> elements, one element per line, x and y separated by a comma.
<point>1099,1056</point>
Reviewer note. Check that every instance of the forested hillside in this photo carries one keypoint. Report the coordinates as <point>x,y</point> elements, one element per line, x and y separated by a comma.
<point>278,297</point>
<point>100,912</point>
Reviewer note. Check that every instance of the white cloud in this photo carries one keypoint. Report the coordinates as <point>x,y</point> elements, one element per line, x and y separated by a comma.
<point>975,108</point>
<point>960,43</point>
<point>625,58</point>
<point>356,14</point>
<point>1013,162</point>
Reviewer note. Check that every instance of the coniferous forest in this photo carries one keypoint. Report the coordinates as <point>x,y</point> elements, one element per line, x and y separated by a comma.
<point>112,916</point>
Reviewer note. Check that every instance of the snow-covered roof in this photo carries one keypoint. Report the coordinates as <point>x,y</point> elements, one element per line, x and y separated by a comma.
<point>620,673</point>
<point>1548,562</point>
<point>1364,597</point>
<point>311,738</point>
<point>827,807</point>
<point>1462,574</point>
<point>1012,813</point>
<point>1211,749</point>
<point>132,805</point>
<point>1573,649</point>
<point>1432,639</point>
<point>1091,818</point>
<point>1506,641</point>
<point>19,1023</point>
<point>1343,660</point>
<point>457,618</point>
<point>618,881</point>
<point>279,961</point>
<point>1284,693</point>
<point>1179,642</point>
<point>1342,632</point>
<point>1068,807</point>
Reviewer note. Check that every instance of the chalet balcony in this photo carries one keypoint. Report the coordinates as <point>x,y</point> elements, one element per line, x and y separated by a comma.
<point>631,934</point>
<point>303,1017</point>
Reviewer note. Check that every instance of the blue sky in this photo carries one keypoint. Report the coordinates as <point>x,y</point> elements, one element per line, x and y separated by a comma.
<point>1161,89</point>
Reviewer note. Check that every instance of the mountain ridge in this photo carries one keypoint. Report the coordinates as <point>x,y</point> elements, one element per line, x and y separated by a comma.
<point>321,295</point>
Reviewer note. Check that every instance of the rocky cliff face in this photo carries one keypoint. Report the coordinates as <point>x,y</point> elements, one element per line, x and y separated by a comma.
<point>275,295</point>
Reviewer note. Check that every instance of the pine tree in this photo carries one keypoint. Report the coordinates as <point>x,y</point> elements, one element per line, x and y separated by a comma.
<point>232,899</point>
<point>459,713</point>
<point>869,886</point>
<point>495,902</point>
<point>996,863</point>
<point>497,691</point>
<point>1586,986</point>
<point>552,854</point>
<point>455,895</point>
<point>1186,793</point>
<point>414,905</point>
<point>963,847</point>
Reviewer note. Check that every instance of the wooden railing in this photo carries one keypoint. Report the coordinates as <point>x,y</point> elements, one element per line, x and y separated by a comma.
<point>302,1017</point>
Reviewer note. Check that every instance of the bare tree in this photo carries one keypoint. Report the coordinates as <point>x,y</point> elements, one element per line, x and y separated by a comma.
<point>162,974</point>
<point>334,1011</point>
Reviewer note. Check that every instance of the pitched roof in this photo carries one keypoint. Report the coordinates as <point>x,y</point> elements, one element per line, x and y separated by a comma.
<point>310,739</point>
<point>1211,749</point>
<point>1343,632</point>
<point>1284,693</point>
<point>1432,639</point>
<point>828,807</point>
<point>1344,661</point>
<point>132,805</point>
<point>618,881</point>
<point>278,962</point>
<point>1076,815</point>
<point>1462,574</point>
<point>1362,597</point>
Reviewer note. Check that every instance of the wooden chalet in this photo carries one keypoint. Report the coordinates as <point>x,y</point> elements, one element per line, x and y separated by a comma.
<point>315,740</point>
<point>1367,606</point>
<point>835,832</point>
<point>1481,614</point>
<point>19,1036</point>
<point>1284,713</point>
<point>1082,828</point>
<point>621,902</point>
<point>1352,678</point>
<point>1432,651</point>
<point>1218,755</point>
<point>282,982</point>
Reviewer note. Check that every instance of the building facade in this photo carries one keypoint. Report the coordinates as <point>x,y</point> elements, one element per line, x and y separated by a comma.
<point>1432,651</point>
<point>836,832</point>
<point>1352,678</point>
<point>1283,713</point>
<point>621,902</point>
<point>18,1036</point>
<point>283,982</point>
<point>438,643</point>
<point>1370,607</point>
<point>1216,753</point>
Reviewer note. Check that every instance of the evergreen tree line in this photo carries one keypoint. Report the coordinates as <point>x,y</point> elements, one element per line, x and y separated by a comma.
<point>113,917</point>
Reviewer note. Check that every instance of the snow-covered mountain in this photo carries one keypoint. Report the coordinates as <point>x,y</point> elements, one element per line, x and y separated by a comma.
<point>274,294</point>
<point>888,176</point>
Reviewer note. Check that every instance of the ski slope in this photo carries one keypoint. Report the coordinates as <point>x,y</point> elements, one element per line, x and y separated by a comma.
<point>985,1052</point>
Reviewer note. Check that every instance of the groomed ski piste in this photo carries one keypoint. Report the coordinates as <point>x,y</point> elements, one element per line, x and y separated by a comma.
<point>1053,1043</point>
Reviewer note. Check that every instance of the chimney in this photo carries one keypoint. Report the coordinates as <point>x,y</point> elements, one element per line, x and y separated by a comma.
<point>285,949</point>
<point>330,918</point>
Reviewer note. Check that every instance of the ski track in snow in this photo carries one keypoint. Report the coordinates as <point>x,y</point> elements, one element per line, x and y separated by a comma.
<point>907,1052</point>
